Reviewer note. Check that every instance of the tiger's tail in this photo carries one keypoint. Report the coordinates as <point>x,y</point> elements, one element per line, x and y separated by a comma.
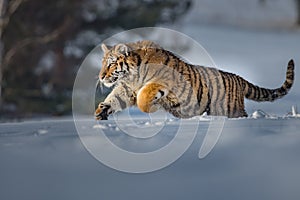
<point>257,93</point>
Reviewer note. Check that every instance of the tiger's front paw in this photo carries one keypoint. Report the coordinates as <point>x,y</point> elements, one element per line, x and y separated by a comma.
<point>103,111</point>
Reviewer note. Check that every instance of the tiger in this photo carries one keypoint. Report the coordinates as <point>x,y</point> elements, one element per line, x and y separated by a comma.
<point>147,76</point>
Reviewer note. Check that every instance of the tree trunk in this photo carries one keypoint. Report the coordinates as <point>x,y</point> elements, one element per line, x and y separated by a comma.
<point>7,9</point>
<point>1,76</point>
<point>1,50</point>
<point>298,11</point>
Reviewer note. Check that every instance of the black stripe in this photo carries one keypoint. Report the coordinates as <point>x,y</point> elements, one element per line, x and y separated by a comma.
<point>197,76</point>
<point>138,73</point>
<point>145,73</point>
<point>234,92</point>
<point>189,74</point>
<point>174,71</point>
<point>269,94</point>
<point>176,64</point>
<point>255,92</point>
<point>189,96</point>
<point>139,60</point>
<point>166,62</point>
<point>249,92</point>
<point>290,76</point>
<point>222,98</point>
<point>288,85</point>
<point>182,75</point>
<point>264,93</point>
<point>207,107</point>
<point>281,91</point>
<point>206,75</point>
<point>127,65</point>
<point>238,79</point>
<point>121,101</point>
<point>258,93</point>
<point>274,95</point>
<point>199,91</point>
<point>127,92</point>
<point>225,92</point>
<point>215,73</point>
<point>183,89</point>
<point>210,89</point>
<point>180,68</point>
<point>109,66</point>
<point>229,96</point>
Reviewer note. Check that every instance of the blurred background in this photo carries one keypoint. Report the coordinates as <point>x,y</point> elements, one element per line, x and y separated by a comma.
<point>43,42</point>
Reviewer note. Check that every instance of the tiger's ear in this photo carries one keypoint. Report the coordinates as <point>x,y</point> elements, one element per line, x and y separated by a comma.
<point>122,49</point>
<point>104,47</point>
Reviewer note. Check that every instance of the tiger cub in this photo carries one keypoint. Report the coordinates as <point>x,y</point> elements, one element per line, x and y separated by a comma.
<point>147,76</point>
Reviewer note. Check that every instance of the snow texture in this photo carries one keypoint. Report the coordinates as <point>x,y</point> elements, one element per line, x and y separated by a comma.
<point>253,159</point>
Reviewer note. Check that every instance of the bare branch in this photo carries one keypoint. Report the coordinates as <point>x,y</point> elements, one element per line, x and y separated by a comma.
<point>1,7</point>
<point>13,6</point>
<point>37,40</point>
<point>8,12</point>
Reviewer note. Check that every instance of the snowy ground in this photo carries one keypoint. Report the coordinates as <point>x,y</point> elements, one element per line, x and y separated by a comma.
<point>253,159</point>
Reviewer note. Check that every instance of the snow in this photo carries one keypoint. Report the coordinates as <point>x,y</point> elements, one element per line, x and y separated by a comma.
<point>46,63</point>
<point>253,159</point>
<point>261,114</point>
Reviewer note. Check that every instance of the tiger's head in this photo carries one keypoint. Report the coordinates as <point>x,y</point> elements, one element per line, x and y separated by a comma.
<point>114,65</point>
<point>122,59</point>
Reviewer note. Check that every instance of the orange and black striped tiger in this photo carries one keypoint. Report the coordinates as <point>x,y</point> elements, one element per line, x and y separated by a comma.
<point>147,76</point>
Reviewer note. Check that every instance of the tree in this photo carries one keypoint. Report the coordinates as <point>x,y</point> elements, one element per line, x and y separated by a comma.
<point>6,12</point>
<point>298,10</point>
<point>35,34</point>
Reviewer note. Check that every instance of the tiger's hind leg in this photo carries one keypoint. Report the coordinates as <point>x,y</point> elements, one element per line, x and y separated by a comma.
<point>239,107</point>
<point>242,113</point>
<point>150,96</point>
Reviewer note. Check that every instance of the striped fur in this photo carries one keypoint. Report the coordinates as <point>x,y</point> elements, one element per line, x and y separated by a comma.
<point>151,78</point>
